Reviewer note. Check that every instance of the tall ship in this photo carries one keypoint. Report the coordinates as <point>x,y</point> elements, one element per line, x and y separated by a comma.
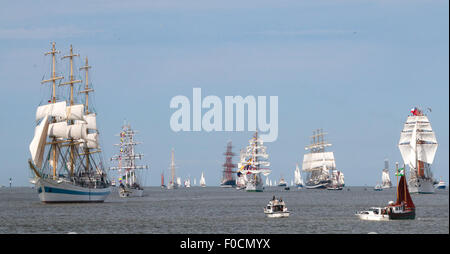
<point>298,180</point>
<point>256,163</point>
<point>174,183</point>
<point>66,158</point>
<point>318,163</point>
<point>129,182</point>
<point>228,180</point>
<point>385,178</point>
<point>418,146</point>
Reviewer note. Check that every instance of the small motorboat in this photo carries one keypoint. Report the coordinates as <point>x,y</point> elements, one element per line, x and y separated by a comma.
<point>374,214</point>
<point>276,209</point>
<point>378,187</point>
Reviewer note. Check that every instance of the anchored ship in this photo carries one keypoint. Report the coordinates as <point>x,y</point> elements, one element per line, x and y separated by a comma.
<point>418,146</point>
<point>130,185</point>
<point>317,163</point>
<point>228,180</point>
<point>65,154</point>
<point>255,157</point>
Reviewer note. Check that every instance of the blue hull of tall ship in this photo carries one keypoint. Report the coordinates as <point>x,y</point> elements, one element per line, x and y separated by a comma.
<point>229,184</point>
<point>320,185</point>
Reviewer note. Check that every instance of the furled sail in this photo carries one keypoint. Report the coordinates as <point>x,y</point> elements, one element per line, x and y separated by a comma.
<point>37,145</point>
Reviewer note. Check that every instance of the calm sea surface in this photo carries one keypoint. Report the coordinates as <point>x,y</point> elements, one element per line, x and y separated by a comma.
<point>215,210</point>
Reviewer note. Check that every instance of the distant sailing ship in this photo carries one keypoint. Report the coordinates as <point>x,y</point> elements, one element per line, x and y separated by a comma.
<point>187,183</point>
<point>318,163</point>
<point>228,180</point>
<point>337,181</point>
<point>255,159</point>
<point>418,146</point>
<point>298,180</point>
<point>282,182</point>
<point>173,183</point>
<point>129,184</point>
<point>202,181</point>
<point>163,186</point>
<point>67,134</point>
<point>240,181</point>
<point>386,179</point>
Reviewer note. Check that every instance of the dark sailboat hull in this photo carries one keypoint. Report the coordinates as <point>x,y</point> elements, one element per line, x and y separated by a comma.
<point>403,216</point>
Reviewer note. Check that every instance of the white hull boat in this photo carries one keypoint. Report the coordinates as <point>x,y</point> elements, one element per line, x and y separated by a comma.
<point>373,214</point>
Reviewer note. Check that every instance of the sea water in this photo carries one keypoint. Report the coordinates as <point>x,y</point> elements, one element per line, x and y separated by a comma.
<point>215,210</point>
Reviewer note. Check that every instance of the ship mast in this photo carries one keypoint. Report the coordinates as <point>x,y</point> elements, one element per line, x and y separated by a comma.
<point>86,90</point>
<point>53,100</point>
<point>71,83</point>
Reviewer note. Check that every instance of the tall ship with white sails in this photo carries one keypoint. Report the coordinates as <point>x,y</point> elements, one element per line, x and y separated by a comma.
<point>130,182</point>
<point>318,163</point>
<point>65,153</point>
<point>256,163</point>
<point>418,146</point>
<point>385,178</point>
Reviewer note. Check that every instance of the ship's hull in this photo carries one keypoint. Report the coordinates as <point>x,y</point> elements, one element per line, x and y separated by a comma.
<point>441,187</point>
<point>51,191</point>
<point>403,216</point>
<point>277,214</point>
<point>254,187</point>
<point>373,217</point>
<point>229,184</point>
<point>421,186</point>
<point>130,192</point>
<point>317,186</point>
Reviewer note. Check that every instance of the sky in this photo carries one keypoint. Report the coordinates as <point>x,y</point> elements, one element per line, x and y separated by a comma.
<point>353,68</point>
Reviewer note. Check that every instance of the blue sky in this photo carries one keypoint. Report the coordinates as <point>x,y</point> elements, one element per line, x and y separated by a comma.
<point>353,68</point>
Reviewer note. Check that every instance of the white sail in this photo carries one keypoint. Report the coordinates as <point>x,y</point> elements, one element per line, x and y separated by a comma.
<point>90,120</point>
<point>315,161</point>
<point>92,141</point>
<point>57,110</point>
<point>77,131</point>
<point>298,176</point>
<point>58,130</point>
<point>37,145</point>
<point>75,112</point>
<point>179,181</point>
<point>202,180</point>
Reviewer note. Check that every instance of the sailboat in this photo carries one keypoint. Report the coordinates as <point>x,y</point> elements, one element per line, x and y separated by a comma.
<point>385,178</point>
<point>337,180</point>
<point>187,183</point>
<point>317,162</point>
<point>403,209</point>
<point>72,169</point>
<point>255,157</point>
<point>418,146</point>
<point>298,181</point>
<point>173,184</point>
<point>163,186</point>
<point>228,180</point>
<point>202,181</point>
<point>129,183</point>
